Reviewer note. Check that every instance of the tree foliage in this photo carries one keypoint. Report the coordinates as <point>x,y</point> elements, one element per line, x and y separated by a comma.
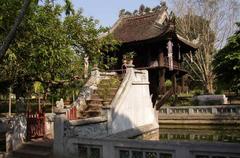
<point>227,63</point>
<point>194,27</point>
<point>211,24</point>
<point>10,36</point>
<point>47,47</point>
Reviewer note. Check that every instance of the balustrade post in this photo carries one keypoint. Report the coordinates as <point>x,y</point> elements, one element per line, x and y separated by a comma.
<point>109,150</point>
<point>238,110</point>
<point>214,110</point>
<point>58,148</point>
<point>190,111</point>
<point>168,111</point>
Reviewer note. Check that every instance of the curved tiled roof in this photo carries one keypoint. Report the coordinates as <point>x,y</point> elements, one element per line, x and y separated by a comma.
<point>138,28</point>
<point>142,27</point>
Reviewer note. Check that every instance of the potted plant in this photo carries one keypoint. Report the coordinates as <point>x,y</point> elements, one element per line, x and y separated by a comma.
<point>129,57</point>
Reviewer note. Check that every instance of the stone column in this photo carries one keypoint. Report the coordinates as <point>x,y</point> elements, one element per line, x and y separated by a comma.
<point>86,65</point>
<point>58,145</point>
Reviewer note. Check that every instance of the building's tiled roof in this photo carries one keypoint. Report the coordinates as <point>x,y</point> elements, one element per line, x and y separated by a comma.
<point>138,28</point>
<point>143,27</point>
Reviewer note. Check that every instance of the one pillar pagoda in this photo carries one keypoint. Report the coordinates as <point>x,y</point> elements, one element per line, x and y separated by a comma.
<point>159,49</point>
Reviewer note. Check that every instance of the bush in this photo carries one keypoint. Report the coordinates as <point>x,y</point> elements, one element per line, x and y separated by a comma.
<point>104,87</point>
<point>197,92</point>
<point>168,84</point>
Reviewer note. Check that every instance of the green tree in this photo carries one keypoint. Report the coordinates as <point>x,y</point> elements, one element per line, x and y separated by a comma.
<point>49,48</point>
<point>208,20</point>
<point>199,64</point>
<point>227,64</point>
<point>10,36</point>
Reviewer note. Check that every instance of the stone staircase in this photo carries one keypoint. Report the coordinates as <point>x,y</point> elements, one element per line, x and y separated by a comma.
<point>34,149</point>
<point>101,97</point>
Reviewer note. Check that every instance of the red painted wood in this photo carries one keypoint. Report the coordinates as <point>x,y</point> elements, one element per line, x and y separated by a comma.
<point>71,113</point>
<point>35,125</point>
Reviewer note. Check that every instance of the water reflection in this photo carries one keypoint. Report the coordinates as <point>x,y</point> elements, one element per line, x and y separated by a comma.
<point>200,133</point>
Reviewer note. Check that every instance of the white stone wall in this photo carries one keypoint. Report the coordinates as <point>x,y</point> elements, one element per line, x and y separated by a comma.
<point>132,106</point>
<point>17,133</point>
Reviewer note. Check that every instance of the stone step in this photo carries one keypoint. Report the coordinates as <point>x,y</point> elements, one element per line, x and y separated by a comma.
<point>95,104</point>
<point>34,149</point>
<point>95,96</point>
<point>110,89</point>
<point>93,113</point>
<point>95,101</point>
<point>111,93</point>
<point>28,153</point>
<point>39,145</point>
<point>93,107</point>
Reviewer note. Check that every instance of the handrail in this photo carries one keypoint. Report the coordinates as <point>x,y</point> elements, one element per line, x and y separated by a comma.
<point>160,103</point>
<point>195,110</point>
<point>120,93</point>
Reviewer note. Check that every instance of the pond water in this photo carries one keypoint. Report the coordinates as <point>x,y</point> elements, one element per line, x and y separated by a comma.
<point>2,142</point>
<point>200,133</point>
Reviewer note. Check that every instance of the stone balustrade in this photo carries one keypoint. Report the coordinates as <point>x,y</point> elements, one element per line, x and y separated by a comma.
<point>125,148</point>
<point>201,110</point>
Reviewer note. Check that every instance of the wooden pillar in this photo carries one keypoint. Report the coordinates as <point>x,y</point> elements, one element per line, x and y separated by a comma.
<point>174,82</point>
<point>10,102</point>
<point>161,59</point>
<point>149,57</point>
<point>162,87</point>
<point>182,84</point>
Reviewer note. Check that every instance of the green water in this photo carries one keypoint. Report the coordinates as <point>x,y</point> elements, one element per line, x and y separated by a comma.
<point>200,133</point>
<point>2,142</point>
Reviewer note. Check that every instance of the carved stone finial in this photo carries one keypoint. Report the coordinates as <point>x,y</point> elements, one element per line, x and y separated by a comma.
<point>147,10</point>
<point>141,9</point>
<point>156,8</point>
<point>122,12</point>
<point>135,12</point>
<point>163,4</point>
<point>86,66</point>
<point>128,13</point>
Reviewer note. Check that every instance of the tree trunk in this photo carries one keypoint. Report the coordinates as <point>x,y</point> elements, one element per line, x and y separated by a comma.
<point>39,102</point>
<point>7,41</point>
<point>209,85</point>
<point>10,102</point>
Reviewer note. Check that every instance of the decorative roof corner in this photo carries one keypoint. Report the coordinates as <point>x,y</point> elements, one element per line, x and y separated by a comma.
<point>197,40</point>
<point>193,43</point>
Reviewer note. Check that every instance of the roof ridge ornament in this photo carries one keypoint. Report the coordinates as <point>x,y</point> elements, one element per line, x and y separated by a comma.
<point>197,40</point>
<point>143,10</point>
<point>172,20</point>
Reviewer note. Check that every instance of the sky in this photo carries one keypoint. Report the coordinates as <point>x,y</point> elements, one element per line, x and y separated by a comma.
<point>106,11</point>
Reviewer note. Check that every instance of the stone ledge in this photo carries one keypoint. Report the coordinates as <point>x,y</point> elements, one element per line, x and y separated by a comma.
<point>134,132</point>
<point>93,120</point>
<point>140,83</point>
<point>199,117</point>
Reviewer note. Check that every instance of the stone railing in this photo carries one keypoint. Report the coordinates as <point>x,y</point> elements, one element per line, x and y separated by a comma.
<point>133,92</point>
<point>95,127</point>
<point>124,148</point>
<point>90,86</point>
<point>17,132</point>
<point>201,110</point>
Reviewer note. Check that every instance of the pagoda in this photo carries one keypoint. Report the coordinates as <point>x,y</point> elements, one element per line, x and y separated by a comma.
<point>151,35</point>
